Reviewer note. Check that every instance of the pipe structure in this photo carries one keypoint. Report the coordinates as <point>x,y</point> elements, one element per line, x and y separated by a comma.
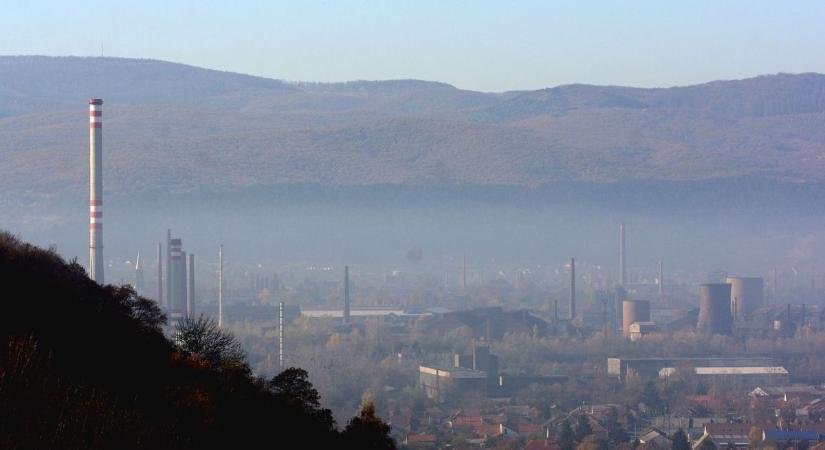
<point>96,190</point>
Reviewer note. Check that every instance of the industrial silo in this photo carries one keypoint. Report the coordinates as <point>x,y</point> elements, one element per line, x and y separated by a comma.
<point>634,311</point>
<point>747,294</point>
<point>714,309</point>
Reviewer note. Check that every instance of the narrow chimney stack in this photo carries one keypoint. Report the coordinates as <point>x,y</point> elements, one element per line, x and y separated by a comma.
<point>96,190</point>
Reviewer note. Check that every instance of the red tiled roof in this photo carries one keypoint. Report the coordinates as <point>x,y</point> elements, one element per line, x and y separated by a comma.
<point>728,429</point>
<point>488,429</point>
<point>473,421</point>
<point>541,444</point>
<point>421,438</point>
<point>530,428</point>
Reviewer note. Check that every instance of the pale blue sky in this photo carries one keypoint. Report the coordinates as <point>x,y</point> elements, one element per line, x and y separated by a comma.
<point>483,45</point>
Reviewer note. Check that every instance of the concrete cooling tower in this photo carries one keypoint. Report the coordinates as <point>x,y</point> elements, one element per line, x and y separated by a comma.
<point>634,311</point>
<point>714,309</point>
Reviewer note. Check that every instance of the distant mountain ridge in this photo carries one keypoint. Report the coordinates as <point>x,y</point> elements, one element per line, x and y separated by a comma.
<point>186,129</point>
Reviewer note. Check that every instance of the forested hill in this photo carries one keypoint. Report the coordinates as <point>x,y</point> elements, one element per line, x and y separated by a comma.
<point>179,128</point>
<point>86,367</point>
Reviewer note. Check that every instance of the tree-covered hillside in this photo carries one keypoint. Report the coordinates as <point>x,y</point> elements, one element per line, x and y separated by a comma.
<point>87,366</point>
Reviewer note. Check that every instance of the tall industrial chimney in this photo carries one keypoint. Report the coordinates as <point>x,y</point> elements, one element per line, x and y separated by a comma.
<point>96,190</point>
<point>622,267</point>
<point>281,336</point>
<point>463,274</point>
<point>661,281</point>
<point>168,296</point>
<point>190,285</point>
<point>346,294</point>
<point>220,286</point>
<point>160,276</point>
<point>139,281</point>
<point>572,312</point>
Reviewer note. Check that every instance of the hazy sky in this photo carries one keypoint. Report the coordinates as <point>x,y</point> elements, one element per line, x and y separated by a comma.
<point>485,45</point>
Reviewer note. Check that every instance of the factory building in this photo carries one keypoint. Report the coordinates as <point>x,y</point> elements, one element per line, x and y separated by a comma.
<point>441,383</point>
<point>714,309</point>
<point>639,329</point>
<point>755,370</point>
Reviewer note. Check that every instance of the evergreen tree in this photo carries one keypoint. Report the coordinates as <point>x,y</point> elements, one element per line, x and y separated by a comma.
<point>566,441</point>
<point>367,431</point>
<point>583,428</point>
<point>680,440</point>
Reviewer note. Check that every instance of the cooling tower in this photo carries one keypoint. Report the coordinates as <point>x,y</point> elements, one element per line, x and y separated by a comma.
<point>714,309</point>
<point>634,311</point>
<point>747,294</point>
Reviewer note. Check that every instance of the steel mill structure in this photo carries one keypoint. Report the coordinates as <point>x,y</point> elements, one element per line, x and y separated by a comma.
<point>714,309</point>
<point>747,294</point>
<point>634,311</point>
<point>176,273</point>
<point>96,190</point>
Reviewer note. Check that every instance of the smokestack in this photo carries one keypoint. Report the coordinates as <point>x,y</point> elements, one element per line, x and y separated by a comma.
<point>220,286</point>
<point>622,267</point>
<point>346,294</point>
<point>661,281</point>
<point>160,276</point>
<point>463,274</point>
<point>572,288</point>
<point>281,336</point>
<point>139,287</point>
<point>190,285</point>
<point>96,190</point>
<point>168,296</point>
<point>555,310</point>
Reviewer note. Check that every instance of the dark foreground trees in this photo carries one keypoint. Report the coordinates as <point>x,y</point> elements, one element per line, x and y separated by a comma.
<point>86,366</point>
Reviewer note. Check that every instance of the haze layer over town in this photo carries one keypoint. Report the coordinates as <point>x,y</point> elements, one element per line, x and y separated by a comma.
<point>456,225</point>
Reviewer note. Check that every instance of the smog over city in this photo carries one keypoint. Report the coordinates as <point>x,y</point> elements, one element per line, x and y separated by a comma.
<point>412,225</point>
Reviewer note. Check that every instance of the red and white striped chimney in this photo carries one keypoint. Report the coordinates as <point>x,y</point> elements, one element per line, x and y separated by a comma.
<point>96,190</point>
